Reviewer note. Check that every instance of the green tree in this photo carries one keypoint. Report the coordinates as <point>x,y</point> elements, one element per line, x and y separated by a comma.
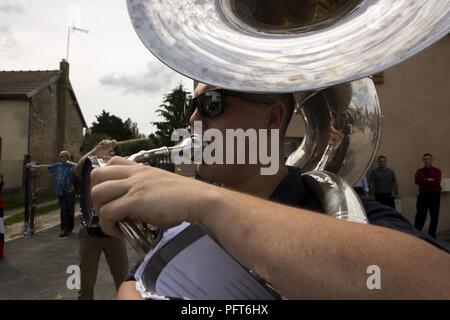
<point>91,139</point>
<point>172,111</point>
<point>129,149</point>
<point>109,126</point>
<point>115,127</point>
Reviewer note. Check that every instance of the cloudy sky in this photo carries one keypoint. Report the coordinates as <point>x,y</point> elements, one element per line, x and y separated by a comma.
<point>109,67</point>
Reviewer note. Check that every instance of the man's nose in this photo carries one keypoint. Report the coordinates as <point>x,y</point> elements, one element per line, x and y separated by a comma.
<point>196,116</point>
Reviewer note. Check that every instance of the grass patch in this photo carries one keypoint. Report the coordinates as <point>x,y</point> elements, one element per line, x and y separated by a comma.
<point>18,201</point>
<point>17,218</point>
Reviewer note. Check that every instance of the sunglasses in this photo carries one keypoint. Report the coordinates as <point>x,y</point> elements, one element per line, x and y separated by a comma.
<point>210,103</point>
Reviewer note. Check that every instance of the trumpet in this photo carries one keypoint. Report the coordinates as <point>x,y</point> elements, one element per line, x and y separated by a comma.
<point>141,237</point>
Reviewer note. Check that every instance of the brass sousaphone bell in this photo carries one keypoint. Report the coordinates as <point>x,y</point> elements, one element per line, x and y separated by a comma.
<point>286,45</point>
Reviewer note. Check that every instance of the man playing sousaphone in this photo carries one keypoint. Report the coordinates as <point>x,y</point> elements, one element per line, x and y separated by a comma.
<point>269,223</point>
<point>283,244</point>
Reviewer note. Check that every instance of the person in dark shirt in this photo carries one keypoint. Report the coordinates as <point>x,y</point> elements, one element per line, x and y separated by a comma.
<point>383,183</point>
<point>429,198</point>
<point>270,223</point>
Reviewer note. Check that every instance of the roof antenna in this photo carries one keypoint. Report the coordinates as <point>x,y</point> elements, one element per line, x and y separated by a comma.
<point>69,31</point>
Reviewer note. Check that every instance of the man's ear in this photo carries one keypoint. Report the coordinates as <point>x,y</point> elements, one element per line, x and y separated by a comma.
<point>277,112</point>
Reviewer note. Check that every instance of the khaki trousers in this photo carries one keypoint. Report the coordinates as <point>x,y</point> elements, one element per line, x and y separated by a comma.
<point>90,248</point>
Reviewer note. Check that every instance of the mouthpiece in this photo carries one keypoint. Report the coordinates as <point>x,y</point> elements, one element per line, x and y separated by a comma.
<point>194,143</point>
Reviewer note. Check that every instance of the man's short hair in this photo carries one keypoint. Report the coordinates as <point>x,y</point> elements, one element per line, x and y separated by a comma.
<point>289,102</point>
<point>428,155</point>
<point>65,152</point>
<point>382,157</point>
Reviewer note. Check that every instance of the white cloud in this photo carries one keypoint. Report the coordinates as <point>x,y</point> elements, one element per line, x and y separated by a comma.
<point>8,45</point>
<point>10,6</point>
<point>9,48</point>
<point>154,78</point>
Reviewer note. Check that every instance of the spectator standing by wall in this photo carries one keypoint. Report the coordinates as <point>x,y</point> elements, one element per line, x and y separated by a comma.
<point>62,172</point>
<point>429,180</point>
<point>383,183</point>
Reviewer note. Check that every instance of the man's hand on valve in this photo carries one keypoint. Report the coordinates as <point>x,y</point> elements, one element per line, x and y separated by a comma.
<point>124,189</point>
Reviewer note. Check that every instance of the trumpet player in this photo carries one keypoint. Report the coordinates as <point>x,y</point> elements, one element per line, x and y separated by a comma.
<point>91,246</point>
<point>62,172</point>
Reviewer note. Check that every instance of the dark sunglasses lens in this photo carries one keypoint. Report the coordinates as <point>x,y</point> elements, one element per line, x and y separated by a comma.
<point>212,109</point>
<point>211,104</point>
<point>208,104</point>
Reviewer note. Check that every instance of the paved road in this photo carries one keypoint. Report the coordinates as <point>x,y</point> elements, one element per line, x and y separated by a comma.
<point>36,268</point>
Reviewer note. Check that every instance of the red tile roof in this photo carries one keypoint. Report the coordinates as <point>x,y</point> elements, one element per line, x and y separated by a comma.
<point>24,82</point>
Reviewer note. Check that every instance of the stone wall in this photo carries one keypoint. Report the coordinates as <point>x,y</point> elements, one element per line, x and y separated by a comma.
<point>73,130</point>
<point>43,126</point>
<point>44,144</point>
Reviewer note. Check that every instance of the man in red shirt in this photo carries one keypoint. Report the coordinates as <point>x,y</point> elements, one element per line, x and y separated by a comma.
<point>429,180</point>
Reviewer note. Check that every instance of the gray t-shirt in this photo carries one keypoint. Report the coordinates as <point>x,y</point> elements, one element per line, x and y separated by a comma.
<point>383,180</point>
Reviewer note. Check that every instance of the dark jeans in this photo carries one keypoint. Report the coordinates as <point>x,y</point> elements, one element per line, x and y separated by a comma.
<point>67,205</point>
<point>428,201</point>
<point>386,199</point>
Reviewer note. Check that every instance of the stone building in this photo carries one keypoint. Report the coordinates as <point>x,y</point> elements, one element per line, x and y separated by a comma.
<point>39,116</point>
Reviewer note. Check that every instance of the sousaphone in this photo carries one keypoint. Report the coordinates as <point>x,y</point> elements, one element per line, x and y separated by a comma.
<point>286,45</point>
<point>322,51</point>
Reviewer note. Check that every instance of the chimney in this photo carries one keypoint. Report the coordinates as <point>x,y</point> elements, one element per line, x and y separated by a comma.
<point>63,101</point>
<point>64,69</point>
